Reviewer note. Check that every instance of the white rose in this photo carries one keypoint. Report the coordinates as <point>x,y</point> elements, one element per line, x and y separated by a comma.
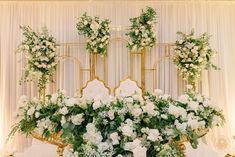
<point>193,105</point>
<point>139,152</point>
<point>77,119</point>
<point>54,98</point>
<point>115,138</point>
<point>83,105</point>
<point>71,102</point>
<point>154,135</point>
<point>158,92</point>
<point>63,111</point>
<point>136,112</point>
<point>31,111</point>
<point>184,99</point>
<point>216,120</point>
<point>111,114</point>
<point>195,124</point>
<point>181,126</point>
<point>149,108</point>
<point>97,104</point>
<point>22,101</point>
<point>132,145</point>
<point>127,130</point>
<point>63,120</point>
<point>37,114</point>
<point>177,111</point>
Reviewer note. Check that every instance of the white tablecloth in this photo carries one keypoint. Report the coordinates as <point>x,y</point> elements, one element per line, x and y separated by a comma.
<point>40,149</point>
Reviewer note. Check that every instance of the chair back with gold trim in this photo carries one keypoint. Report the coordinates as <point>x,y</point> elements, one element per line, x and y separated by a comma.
<point>95,88</point>
<point>127,87</point>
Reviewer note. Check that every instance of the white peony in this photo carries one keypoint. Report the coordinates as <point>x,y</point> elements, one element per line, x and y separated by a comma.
<point>77,119</point>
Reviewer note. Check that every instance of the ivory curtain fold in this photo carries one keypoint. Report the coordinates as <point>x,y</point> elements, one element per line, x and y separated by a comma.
<point>215,17</point>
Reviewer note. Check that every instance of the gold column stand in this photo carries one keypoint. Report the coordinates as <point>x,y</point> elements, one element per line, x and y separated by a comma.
<point>143,51</point>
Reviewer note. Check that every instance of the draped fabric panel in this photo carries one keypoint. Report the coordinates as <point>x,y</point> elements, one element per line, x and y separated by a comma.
<point>215,17</point>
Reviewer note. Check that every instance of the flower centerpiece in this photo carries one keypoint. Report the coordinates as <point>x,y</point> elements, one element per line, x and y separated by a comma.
<point>41,59</point>
<point>120,126</point>
<point>192,55</point>
<point>142,34</point>
<point>97,31</point>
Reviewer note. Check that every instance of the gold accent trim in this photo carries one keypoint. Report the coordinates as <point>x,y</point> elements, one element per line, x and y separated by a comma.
<point>119,84</point>
<point>54,139</point>
<point>95,78</point>
<point>143,51</point>
<point>64,58</point>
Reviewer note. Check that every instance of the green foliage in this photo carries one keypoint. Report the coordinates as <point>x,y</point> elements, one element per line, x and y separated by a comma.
<point>142,32</point>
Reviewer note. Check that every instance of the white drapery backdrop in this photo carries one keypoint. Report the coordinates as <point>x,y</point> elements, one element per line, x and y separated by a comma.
<point>215,17</point>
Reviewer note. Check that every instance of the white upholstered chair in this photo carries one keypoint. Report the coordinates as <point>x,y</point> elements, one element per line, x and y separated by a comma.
<point>127,87</point>
<point>95,88</point>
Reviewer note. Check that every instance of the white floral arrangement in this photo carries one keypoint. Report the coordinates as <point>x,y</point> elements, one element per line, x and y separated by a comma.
<point>39,49</point>
<point>192,55</point>
<point>130,126</point>
<point>97,31</point>
<point>142,33</point>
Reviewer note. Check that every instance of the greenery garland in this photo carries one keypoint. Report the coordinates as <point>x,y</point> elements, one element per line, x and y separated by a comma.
<point>122,126</point>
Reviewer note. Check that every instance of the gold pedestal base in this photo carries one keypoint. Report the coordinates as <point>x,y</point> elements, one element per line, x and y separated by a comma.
<point>60,151</point>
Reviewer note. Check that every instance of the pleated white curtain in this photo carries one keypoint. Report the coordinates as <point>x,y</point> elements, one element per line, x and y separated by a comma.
<point>215,17</point>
